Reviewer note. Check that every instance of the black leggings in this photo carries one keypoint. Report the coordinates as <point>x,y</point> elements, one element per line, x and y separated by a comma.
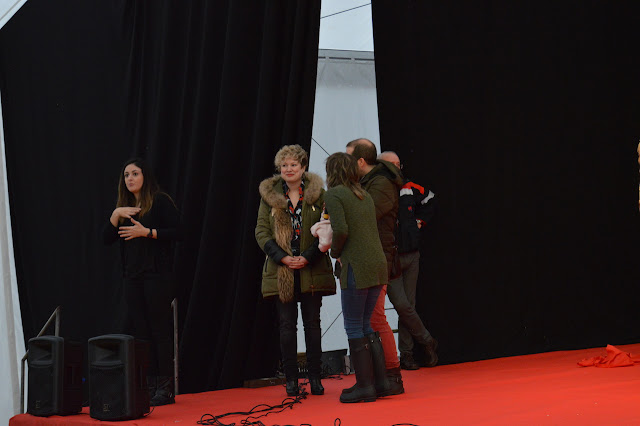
<point>310,305</point>
<point>149,318</point>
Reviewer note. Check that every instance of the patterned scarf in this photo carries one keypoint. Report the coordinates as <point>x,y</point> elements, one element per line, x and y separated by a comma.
<point>295,212</point>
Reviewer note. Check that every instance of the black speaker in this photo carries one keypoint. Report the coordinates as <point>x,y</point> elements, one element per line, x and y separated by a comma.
<point>118,377</point>
<point>55,376</point>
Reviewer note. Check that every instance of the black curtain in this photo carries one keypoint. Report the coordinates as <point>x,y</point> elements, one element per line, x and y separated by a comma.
<point>207,91</point>
<point>522,117</point>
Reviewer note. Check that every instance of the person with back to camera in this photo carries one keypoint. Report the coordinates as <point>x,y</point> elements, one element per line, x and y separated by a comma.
<point>382,180</point>
<point>363,271</point>
<point>417,207</point>
<point>295,270</point>
<point>145,222</point>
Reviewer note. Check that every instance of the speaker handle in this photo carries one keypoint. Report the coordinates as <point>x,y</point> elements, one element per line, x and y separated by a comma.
<point>57,313</point>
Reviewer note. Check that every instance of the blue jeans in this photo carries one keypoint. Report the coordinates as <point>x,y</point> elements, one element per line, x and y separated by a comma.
<point>357,306</point>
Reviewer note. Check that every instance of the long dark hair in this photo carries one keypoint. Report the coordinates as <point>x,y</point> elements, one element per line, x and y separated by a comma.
<point>149,188</point>
<point>342,169</point>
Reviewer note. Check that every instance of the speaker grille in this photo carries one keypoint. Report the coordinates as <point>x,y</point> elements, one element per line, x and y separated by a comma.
<point>41,392</point>
<point>108,391</point>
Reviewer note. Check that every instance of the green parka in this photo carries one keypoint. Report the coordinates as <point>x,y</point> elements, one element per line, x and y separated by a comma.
<point>274,232</point>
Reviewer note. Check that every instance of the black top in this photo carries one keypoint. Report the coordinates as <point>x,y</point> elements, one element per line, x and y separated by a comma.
<point>147,256</point>
<point>416,203</point>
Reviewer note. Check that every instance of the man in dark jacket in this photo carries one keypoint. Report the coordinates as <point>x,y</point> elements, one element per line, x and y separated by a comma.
<point>416,208</point>
<point>382,180</point>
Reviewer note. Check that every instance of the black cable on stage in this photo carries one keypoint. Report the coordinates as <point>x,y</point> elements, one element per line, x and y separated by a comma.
<point>211,420</point>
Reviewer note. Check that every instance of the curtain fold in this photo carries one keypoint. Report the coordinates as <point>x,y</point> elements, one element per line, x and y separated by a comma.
<point>207,91</point>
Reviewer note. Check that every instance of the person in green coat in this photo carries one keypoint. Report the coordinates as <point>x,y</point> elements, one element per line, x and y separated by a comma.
<point>382,180</point>
<point>294,270</point>
<point>363,273</point>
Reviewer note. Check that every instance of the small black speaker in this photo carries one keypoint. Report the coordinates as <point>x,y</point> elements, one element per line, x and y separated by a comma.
<point>55,376</point>
<point>118,377</point>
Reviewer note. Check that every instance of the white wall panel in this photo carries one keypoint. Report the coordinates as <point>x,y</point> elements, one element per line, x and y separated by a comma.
<point>346,108</point>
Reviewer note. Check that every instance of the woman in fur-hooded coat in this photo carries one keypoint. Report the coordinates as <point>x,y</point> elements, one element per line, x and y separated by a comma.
<point>294,270</point>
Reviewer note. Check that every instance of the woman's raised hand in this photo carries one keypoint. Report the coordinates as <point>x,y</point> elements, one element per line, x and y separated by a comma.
<point>126,212</point>
<point>135,231</point>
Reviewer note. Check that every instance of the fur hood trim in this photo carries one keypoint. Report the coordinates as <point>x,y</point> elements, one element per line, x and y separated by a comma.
<point>271,190</point>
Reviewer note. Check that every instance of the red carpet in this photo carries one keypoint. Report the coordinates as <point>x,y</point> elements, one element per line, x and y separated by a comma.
<point>542,389</point>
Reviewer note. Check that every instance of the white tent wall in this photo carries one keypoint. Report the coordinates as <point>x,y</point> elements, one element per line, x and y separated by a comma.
<point>346,108</point>
<point>346,25</point>
<point>8,8</point>
<point>12,349</point>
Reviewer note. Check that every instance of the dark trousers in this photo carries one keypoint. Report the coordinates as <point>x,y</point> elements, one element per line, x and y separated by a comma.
<point>149,318</point>
<point>402,294</point>
<point>310,305</point>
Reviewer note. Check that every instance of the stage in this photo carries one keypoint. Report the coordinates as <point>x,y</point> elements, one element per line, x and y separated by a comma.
<point>548,388</point>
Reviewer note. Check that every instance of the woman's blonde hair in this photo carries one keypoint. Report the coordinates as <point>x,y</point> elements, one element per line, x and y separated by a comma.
<point>291,151</point>
<point>342,169</point>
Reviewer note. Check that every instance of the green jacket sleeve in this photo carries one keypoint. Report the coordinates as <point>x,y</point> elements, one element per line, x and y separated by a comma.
<point>263,231</point>
<point>339,225</point>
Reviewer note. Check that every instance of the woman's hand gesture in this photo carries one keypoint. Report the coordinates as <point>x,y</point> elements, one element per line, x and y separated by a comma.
<point>135,231</point>
<point>124,213</point>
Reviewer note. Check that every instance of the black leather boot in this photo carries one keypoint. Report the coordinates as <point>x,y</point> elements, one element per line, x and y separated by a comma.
<point>383,387</point>
<point>364,389</point>
<point>292,387</point>
<point>164,392</point>
<point>394,376</point>
<point>407,362</point>
<point>316,386</point>
<point>430,355</point>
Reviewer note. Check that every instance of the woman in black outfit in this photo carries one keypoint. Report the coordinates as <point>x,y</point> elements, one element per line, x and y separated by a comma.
<point>145,222</point>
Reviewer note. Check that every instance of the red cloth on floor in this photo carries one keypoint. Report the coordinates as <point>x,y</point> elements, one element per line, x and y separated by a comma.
<point>615,358</point>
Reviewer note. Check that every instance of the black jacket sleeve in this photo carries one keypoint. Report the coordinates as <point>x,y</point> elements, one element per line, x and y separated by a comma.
<point>274,251</point>
<point>312,252</point>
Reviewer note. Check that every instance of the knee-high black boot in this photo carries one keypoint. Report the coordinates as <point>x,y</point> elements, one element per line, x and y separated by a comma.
<point>383,387</point>
<point>364,389</point>
<point>387,382</point>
